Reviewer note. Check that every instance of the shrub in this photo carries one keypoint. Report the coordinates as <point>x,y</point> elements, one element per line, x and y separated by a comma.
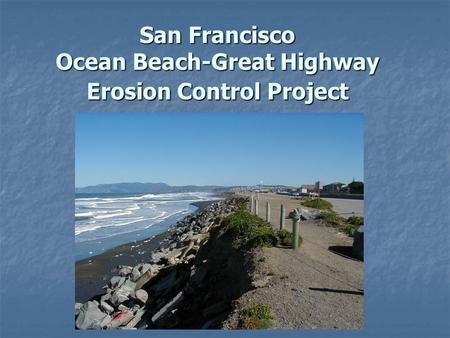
<point>349,229</point>
<point>347,226</point>
<point>240,222</point>
<point>318,204</point>
<point>256,317</point>
<point>332,218</point>
<point>250,229</point>
<point>356,220</point>
<point>285,237</point>
<point>262,237</point>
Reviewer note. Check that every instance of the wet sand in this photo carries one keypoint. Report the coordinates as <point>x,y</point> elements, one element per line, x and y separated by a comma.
<point>92,273</point>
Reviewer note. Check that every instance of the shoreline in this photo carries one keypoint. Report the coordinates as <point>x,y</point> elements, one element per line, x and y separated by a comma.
<point>92,273</point>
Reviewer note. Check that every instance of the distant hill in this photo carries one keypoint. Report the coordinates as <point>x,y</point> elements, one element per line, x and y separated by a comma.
<point>150,188</point>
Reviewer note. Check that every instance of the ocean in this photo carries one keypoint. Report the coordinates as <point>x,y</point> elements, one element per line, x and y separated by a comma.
<point>104,221</point>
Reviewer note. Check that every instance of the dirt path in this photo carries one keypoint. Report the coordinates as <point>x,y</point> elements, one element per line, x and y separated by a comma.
<point>314,287</point>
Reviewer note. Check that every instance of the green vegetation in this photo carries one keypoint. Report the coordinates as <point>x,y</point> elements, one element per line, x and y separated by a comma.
<point>251,231</point>
<point>356,220</point>
<point>332,218</point>
<point>348,229</point>
<point>353,223</point>
<point>256,317</point>
<point>317,204</point>
<point>347,226</point>
<point>285,238</point>
<point>356,187</point>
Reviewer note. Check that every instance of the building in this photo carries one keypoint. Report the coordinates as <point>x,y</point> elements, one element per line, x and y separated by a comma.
<point>333,187</point>
<point>318,186</point>
<point>305,188</point>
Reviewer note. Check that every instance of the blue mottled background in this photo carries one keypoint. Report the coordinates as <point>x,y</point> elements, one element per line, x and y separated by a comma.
<point>407,139</point>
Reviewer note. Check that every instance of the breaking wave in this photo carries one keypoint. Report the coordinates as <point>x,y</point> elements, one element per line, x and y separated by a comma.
<point>102,217</point>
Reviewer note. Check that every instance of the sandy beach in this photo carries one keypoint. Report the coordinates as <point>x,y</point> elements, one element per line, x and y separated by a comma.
<point>92,273</point>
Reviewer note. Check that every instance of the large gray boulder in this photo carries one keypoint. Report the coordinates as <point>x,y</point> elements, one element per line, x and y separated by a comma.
<point>120,319</point>
<point>120,296</point>
<point>166,309</point>
<point>141,296</point>
<point>306,214</point>
<point>125,270</point>
<point>91,317</point>
<point>116,281</point>
<point>143,279</point>
<point>135,274</point>
<point>77,308</point>
<point>358,243</point>
<point>145,267</point>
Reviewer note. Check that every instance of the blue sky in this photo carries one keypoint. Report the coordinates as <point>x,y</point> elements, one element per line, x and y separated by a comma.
<point>218,148</point>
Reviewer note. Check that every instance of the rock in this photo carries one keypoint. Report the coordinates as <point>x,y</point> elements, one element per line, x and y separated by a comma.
<point>189,258</point>
<point>116,281</point>
<point>141,296</point>
<point>175,253</point>
<point>135,274</point>
<point>128,286</point>
<point>358,243</point>
<point>91,317</point>
<point>122,308</point>
<point>119,296</point>
<point>171,261</point>
<point>157,256</point>
<point>197,239</point>
<point>306,214</point>
<point>125,270</point>
<point>105,297</point>
<point>167,308</point>
<point>106,307</point>
<point>187,237</point>
<point>122,294</point>
<point>187,249</point>
<point>145,267</point>
<point>137,318</point>
<point>77,308</point>
<point>143,279</point>
<point>120,319</point>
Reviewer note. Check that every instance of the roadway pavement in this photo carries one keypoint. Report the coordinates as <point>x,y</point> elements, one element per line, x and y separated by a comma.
<point>347,207</point>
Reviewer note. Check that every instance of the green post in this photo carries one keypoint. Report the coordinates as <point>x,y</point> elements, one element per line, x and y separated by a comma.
<point>268,212</point>
<point>282,217</point>
<point>295,216</point>
<point>295,232</point>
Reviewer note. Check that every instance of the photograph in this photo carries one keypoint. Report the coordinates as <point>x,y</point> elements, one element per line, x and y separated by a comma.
<point>229,221</point>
